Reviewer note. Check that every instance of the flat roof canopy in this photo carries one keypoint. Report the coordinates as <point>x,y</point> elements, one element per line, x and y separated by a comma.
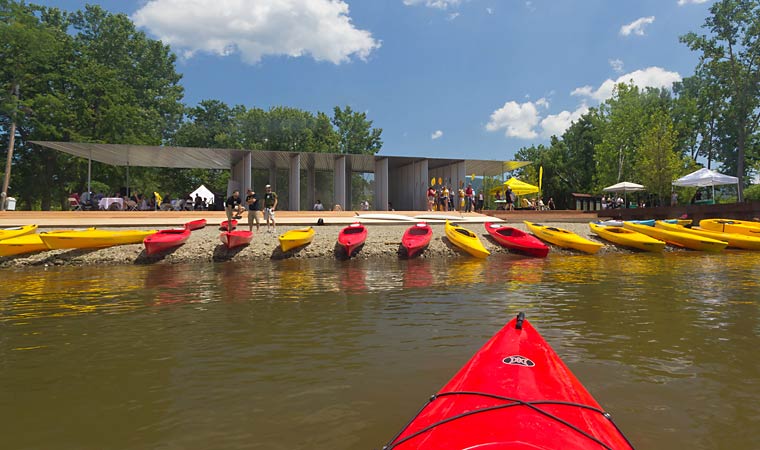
<point>219,158</point>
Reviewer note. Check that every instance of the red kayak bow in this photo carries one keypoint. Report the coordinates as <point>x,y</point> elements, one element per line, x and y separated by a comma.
<point>163,240</point>
<point>352,236</point>
<point>517,240</point>
<point>515,393</point>
<point>416,238</point>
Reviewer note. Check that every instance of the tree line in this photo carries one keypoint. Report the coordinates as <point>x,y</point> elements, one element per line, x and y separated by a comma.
<point>653,136</point>
<point>91,76</point>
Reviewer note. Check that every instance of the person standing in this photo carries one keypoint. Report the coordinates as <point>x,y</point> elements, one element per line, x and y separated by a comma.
<point>481,201</point>
<point>509,199</point>
<point>270,205</point>
<point>231,207</point>
<point>431,198</point>
<point>445,198</point>
<point>468,201</point>
<point>252,200</point>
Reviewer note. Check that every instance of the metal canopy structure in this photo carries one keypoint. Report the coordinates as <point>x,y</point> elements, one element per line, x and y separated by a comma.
<point>150,156</point>
<point>409,174</point>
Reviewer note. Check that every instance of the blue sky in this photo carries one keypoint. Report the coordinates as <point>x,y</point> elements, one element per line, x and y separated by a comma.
<point>443,78</point>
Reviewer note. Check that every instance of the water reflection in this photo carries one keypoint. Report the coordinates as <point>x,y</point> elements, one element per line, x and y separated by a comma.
<point>303,354</point>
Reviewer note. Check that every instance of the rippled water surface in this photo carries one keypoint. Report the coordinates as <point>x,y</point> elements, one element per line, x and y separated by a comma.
<point>339,355</point>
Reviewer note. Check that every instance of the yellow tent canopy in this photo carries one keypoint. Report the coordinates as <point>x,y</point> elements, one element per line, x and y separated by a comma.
<point>518,187</point>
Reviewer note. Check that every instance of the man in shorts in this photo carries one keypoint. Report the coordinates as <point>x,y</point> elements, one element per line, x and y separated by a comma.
<point>270,204</point>
<point>252,200</point>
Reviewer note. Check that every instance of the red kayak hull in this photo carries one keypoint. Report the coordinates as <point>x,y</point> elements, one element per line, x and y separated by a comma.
<point>514,367</point>
<point>232,239</point>
<point>517,240</point>
<point>164,240</point>
<point>416,238</point>
<point>195,224</point>
<point>352,237</point>
<point>223,225</point>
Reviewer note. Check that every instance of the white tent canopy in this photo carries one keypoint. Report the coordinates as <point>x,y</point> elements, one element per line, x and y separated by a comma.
<point>205,194</point>
<point>624,186</point>
<point>705,177</point>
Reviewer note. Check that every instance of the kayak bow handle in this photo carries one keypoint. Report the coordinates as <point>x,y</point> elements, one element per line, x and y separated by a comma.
<point>520,320</point>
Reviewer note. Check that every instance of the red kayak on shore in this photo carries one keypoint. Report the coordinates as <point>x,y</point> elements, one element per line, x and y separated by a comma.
<point>517,240</point>
<point>416,238</point>
<point>515,393</point>
<point>223,225</point>
<point>232,239</point>
<point>195,224</point>
<point>163,240</point>
<point>352,237</point>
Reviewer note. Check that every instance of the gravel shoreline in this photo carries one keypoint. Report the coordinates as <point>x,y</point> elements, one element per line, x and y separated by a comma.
<point>204,246</point>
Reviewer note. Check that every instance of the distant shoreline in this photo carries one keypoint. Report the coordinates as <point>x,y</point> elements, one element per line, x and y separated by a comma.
<point>383,241</point>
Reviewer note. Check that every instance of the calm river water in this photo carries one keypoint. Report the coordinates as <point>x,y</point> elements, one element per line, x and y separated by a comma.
<point>339,355</point>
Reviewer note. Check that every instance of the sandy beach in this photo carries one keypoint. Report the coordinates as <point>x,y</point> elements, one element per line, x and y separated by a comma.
<point>383,241</point>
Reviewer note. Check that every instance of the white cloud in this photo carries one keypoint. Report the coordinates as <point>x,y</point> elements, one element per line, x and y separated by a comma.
<point>556,124</point>
<point>636,27</point>
<point>517,119</point>
<point>617,65</point>
<point>452,16</point>
<point>530,6</point>
<point>686,2</point>
<point>321,29</point>
<point>440,4</point>
<point>436,134</point>
<point>656,77</point>
<point>489,11</point>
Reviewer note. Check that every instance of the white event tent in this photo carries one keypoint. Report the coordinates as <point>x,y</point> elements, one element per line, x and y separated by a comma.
<point>205,194</point>
<point>706,177</point>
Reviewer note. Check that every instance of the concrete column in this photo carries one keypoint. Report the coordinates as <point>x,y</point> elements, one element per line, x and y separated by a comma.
<point>381,184</point>
<point>349,172</point>
<point>339,182</point>
<point>294,185</point>
<point>247,166</point>
<point>311,186</point>
<point>421,186</point>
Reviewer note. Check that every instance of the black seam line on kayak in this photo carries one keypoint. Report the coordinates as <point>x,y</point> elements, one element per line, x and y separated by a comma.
<point>514,402</point>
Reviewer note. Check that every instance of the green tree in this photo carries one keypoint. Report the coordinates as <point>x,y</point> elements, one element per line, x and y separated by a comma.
<point>731,54</point>
<point>88,76</point>
<point>355,132</point>
<point>657,152</point>
<point>623,121</point>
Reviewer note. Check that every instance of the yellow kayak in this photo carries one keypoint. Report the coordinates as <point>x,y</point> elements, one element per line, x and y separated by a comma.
<point>563,238</point>
<point>466,240</point>
<point>93,238</point>
<point>9,233</point>
<point>27,243</point>
<point>627,238</point>
<point>734,240</point>
<point>744,227</point>
<point>296,238</point>
<point>679,239</point>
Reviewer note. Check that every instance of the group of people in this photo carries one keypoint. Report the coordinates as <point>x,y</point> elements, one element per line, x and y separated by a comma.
<point>510,202</point>
<point>235,208</point>
<point>445,199</point>
<point>137,202</point>
<point>612,202</point>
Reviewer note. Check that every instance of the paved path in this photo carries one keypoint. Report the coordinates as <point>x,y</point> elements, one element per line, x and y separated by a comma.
<point>55,219</point>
